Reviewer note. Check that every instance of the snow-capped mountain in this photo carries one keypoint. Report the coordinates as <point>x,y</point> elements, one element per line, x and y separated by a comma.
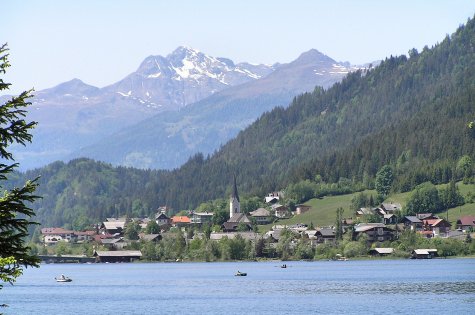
<point>168,139</point>
<point>183,77</point>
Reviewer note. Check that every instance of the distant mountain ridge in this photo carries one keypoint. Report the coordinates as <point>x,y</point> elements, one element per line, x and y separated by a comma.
<point>183,77</point>
<point>167,140</point>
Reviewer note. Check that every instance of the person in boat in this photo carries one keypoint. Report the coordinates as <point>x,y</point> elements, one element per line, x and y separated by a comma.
<point>62,277</point>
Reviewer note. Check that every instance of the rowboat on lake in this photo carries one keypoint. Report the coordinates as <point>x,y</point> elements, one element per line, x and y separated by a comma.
<point>241,274</point>
<point>62,278</point>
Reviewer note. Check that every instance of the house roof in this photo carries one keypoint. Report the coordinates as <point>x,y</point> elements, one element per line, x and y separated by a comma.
<point>392,206</point>
<point>468,220</point>
<point>114,225</point>
<point>381,250</point>
<point>412,219</point>
<point>271,199</point>
<point>91,233</point>
<point>310,233</point>
<point>423,216</point>
<point>116,219</point>
<point>55,231</point>
<point>239,217</point>
<point>161,216</point>
<point>261,212</point>
<point>118,253</point>
<point>363,227</point>
<point>326,232</point>
<point>181,219</point>
<point>278,206</point>
<point>425,251</point>
<point>436,222</point>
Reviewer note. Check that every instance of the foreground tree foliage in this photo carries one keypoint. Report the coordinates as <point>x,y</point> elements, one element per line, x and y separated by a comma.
<point>15,210</point>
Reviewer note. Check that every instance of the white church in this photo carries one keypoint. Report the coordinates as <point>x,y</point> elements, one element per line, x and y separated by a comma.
<point>235,215</point>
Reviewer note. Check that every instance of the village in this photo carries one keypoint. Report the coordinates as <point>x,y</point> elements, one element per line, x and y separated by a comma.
<point>112,240</point>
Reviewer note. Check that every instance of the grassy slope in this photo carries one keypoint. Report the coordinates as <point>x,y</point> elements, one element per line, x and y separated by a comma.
<point>323,211</point>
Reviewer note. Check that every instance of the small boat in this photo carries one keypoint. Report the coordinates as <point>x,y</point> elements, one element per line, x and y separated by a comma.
<point>241,274</point>
<point>283,266</point>
<point>63,279</point>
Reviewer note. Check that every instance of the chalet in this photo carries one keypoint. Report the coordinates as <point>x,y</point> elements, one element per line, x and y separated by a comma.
<point>272,198</point>
<point>439,227</point>
<point>390,208</point>
<point>389,219</point>
<point>117,256</point>
<point>201,217</point>
<point>53,235</point>
<point>466,223</point>
<point>424,253</point>
<point>113,226</point>
<point>162,219</point>
<point>412,222</point>
<point>261,215</point>
<point>301,209</point>
<point>180,221</point>
<point>325,235</point>
<point>376,232</point>
<point>280,211</point>
<point>381,251</point>
<point>232,224</point>
<point>311,236</point>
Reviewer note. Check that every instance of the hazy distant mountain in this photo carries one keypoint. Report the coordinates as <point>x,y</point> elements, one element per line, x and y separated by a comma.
<point>184,77</point>
<point>168,139</point>
<point>73,114</point>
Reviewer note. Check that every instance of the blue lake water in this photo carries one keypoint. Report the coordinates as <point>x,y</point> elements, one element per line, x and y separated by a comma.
<point>331,287</point>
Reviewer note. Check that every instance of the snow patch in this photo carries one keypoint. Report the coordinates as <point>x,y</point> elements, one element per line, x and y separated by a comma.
<point>124,94</point>
<point>155,75</point>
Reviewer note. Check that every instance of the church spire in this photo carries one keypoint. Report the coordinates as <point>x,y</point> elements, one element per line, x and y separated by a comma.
<point>235,191</point>
<point>234,204</point>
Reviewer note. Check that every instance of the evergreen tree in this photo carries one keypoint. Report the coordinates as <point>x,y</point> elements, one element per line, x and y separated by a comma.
<point>338,224</point>
<point>15,210</point>
<point>384,180</point>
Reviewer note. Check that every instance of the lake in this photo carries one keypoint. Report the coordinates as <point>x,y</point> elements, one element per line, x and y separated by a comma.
<point>323,287</point>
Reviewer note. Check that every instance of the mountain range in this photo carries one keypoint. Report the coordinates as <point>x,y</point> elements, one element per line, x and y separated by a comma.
<point>169,109</point>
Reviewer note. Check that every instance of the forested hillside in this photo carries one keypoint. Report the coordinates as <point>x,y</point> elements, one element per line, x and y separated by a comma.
<point>410,113</point>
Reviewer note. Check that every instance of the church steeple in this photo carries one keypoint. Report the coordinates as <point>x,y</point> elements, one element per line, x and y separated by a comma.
<point>234,204</point>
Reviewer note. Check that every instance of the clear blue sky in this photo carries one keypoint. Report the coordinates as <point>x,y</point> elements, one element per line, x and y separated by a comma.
<point>100,41</point>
